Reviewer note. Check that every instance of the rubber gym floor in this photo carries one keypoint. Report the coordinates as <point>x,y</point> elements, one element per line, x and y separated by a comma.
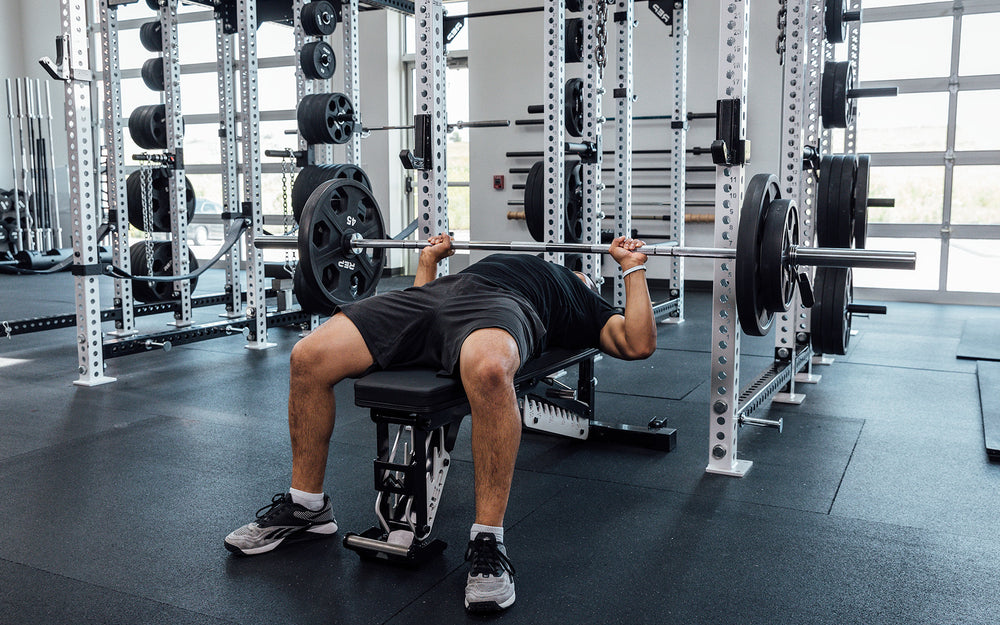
<point>876,505</point>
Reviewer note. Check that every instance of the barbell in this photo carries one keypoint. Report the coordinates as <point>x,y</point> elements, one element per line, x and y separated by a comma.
<point>341,244</point>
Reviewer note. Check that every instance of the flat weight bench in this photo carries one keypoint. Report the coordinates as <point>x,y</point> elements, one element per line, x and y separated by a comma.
<point>425,411</point>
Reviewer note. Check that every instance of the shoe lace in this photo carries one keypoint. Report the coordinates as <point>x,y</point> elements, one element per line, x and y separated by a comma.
<point>269,510</point>
<point>486,557</point>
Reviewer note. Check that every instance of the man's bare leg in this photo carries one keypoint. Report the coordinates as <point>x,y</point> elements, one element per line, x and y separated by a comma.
<point>327,356</point>
<point>332,352</point>
<point>488,362</point>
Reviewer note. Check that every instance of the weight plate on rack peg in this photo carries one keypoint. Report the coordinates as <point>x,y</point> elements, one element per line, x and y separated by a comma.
<point>317,60</point>
<point>861,184</point>
<point>152,73</point>
<point>574,107</point>
<point>574,40</point>
<point>325,118</point>
<point>152,292</point>
<point>830,323</point>
<point>837,109</point>
<point>318,18</point>
<point>150,36</point>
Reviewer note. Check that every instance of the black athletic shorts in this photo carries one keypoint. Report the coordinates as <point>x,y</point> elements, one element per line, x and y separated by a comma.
<point>426,326</point>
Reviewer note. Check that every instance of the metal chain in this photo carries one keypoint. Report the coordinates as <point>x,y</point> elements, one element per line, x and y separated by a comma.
<point>779,45</point>
<point>602,32</point>
<point>286,173</point>
<point>146,185</point>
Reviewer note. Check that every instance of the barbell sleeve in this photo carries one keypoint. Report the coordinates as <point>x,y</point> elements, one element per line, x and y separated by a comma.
<point>846,257</point>
<point>797,255</point>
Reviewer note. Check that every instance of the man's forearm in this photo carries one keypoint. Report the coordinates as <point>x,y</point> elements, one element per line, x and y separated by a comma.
<point>426,271</point>
<point>640,325</point>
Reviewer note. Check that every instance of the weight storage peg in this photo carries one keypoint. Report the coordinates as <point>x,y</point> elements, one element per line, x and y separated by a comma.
<point>318,18</point>
<point>838,94</point>
<point>339,264</point>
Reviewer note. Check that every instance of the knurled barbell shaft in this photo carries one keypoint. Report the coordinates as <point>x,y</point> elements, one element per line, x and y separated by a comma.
<point>797,255</point>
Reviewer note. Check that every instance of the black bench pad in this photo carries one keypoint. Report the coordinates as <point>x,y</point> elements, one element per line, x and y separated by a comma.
<point>422,391</point>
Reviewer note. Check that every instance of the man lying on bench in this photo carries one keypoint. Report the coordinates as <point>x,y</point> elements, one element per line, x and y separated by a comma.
<point>481,324</point>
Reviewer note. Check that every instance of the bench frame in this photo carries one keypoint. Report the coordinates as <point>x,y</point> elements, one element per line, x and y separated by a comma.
<point>414,442</point>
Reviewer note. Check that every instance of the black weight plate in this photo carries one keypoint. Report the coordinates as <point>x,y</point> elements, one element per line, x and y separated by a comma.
<point>153,4</point>
<point>150,37</point>
<point>816,314</point>
<point>312,176</point>
<point>845,201</point>
<point>574,5</point>
<point>152,73</point>
<point>829,232</point>
<point>778,277</point>
<point>823,208</point>
<point>319,18</point>
<point>305,183</point>
<point>159,200</point>
<point>827,226</point>
<point>317,60</point>
<point>861,201</point>
<point>148,126</point>
<point>534,198</point>
<point>573,214</point>
<point>574,40</point>
<point>332,273</point>
<point>150,292</point>
<point>833,19</point>
<point>574,262</point>
<point>326,118</point>
<point>755,318</point>
<point>837,109</point>
<point>310,300</point>
<point>574,107</point>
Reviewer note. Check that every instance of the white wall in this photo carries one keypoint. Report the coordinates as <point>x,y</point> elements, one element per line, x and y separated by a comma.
<point>506,75</point>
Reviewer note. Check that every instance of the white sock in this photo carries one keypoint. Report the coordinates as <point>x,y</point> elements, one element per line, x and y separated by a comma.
<point>310,501</point>
<point>489,529</point>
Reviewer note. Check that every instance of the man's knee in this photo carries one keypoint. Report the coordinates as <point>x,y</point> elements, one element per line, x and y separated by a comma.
<point>489,360</point>
<point>307,357</point>
<point>490,372</point>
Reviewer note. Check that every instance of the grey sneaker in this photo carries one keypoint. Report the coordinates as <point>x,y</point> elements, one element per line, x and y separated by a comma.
<point>490,586</point>
<point>281,521</point>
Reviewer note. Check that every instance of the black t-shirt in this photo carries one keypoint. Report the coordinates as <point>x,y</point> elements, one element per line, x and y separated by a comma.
<point>571,313</point>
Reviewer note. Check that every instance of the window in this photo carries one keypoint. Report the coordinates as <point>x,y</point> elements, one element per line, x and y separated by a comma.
<point>933,147</point>
<point>457,95</point>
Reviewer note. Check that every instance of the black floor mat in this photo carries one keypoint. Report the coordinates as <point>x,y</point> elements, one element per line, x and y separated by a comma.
<point>980,339</point>
<point>989,397</point>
